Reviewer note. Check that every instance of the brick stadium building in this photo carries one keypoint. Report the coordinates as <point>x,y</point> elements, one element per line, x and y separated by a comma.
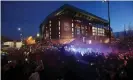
<point>68,23</point>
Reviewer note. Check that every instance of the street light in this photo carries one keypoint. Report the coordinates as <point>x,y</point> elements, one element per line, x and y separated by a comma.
<point>108,19</point>
<point>19,29</point>
<point>38,34</point>
<point>21,35</point>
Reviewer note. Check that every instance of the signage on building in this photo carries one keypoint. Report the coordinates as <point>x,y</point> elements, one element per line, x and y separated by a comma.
<point>66,28</point>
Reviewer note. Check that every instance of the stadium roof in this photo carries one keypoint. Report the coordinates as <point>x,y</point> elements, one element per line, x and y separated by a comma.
<point>70,7</point>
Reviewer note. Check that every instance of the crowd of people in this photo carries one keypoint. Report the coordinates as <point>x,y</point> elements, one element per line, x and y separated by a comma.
<point>55,63</point>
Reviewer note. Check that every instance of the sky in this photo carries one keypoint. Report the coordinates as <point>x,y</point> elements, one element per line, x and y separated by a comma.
<point>28,15</point>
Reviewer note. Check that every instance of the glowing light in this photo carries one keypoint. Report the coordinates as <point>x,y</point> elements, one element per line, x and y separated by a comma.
<point>30,40</point>
<point>38,34</point>
<point>3,54</point>
<point>106,41</point>
<point>92,64</point>
<point>89,49</point>
<point>72,25</point>
<point>19,29</point>
<point>27,53</point>
<point>104,0</point>
<point>90,41</point>
<point>24,52</point>
<point>82,53</point>
<point>9,61</point>
<point>83,39</point>
<point>26,59</point>
<point>50,21</point>
<point>73,49</point>
<point>59,24</point>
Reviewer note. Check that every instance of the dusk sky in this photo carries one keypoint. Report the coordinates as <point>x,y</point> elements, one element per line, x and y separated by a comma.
<point>29,14</point>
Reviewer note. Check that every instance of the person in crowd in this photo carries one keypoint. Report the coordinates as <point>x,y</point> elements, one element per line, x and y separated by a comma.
<point>59,64</point>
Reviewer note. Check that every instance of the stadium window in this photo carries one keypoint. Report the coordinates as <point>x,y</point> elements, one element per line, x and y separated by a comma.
<point>50,32</point>
<point>100,32</point>
<point>72,30</point>
<point>59,23</point>
<point>85,27</point>
<point>94,34</point>
<point>50,29</point>
<point>72,25</point>
<point>50,21</point>
<point>82,29</point>
<point>103,32</point>
<point>94,31</point>
<point>59,28</point>
<point>72,35</point>
<point>78,31</point>
<point>86,34</point>
<point>93,28</point>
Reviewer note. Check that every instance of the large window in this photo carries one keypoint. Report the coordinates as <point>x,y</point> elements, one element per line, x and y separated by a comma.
<point>72,34</point>
<point>86,30</point>
<point>59,35</point>
<point>50,21</point>
<point>59,23</point>
<point>77,30</point>
<point>94,31</point>
<point>59,28</point>
<point>97,31</point>
<point>82,30</point>
<point>50,29</point>
<point>79,21</point>
<point>72,30</point>
<point>50,37</point>
<point>47,34</point>
<point>50,25</point>
<point>50,32</point>
<point>72,25</point>
<point>100,32</point>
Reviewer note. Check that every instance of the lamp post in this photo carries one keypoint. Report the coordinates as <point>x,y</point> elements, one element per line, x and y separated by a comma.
<point>38,35</point>
<point>21,35</point>
<point>109,19</point>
